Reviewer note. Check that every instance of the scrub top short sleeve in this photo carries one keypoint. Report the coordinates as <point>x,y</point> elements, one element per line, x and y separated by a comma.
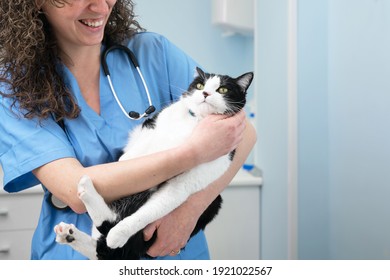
<point>26,145</point>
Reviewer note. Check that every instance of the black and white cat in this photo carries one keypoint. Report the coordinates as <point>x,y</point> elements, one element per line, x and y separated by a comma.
<point>117,232</point>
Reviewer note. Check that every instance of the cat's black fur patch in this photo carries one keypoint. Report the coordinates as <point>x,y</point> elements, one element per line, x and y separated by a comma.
<point>150,122</point>
<point>231,155</point>
<point>136,247</point>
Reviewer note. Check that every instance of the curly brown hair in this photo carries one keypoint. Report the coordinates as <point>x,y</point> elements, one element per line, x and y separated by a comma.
<point>29,55</point>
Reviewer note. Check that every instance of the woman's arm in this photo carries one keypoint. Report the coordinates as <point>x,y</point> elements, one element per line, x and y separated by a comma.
<point>117,179</point>
<point>175,229</point>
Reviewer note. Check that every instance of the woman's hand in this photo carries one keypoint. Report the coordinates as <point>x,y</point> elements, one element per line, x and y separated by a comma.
<point>173,230</point>
<point>217,135</point>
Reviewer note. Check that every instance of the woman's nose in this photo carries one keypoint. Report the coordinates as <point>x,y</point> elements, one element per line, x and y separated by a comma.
<point>99,6</point>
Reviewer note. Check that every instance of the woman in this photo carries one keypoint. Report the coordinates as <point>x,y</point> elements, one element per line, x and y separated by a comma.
<point>51,75</point>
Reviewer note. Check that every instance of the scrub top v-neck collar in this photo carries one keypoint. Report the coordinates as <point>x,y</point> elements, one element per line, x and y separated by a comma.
<point>104,132</point>
<point>103,90</point>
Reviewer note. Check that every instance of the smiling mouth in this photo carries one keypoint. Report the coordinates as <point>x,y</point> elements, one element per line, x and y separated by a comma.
<point>90,23</point>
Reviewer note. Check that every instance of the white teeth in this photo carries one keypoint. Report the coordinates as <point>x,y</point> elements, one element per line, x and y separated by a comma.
<point>93,23</point>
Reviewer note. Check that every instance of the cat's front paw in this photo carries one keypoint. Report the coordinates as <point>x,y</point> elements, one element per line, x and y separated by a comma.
<point>64,233</point>
<point>117,236</point>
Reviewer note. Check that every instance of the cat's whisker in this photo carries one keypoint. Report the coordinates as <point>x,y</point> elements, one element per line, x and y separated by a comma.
<point>173,94</point>
<point>179,88</point>
<point>172,86</point>
<point>236,105</point>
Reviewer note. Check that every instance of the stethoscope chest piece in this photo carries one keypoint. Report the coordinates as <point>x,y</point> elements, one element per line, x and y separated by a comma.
<point>57,203</point>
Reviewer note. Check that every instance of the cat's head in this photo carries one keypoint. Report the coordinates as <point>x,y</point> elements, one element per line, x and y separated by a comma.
<point>217,94</point>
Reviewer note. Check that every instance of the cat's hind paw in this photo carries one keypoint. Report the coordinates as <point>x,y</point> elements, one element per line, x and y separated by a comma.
<point>65,233</point>
<point>118,236</point>
<point>97,208</point>
<point>85,188</point>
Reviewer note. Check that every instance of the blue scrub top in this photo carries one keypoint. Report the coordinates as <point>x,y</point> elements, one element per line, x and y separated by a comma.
<point>91,138</point>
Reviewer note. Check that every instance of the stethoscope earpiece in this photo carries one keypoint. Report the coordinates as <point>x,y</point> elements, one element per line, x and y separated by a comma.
<point>132,114</point>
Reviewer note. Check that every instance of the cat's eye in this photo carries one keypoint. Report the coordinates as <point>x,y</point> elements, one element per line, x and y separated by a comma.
<point>200,86</point>
<point>222,90</point>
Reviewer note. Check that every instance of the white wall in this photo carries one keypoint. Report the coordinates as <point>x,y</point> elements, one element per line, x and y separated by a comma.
<point>359,128</point>
<point>343,128</point>
<point>188,24</point>
<point>314,164</point>
<point>347,115</point>
<point>272,110</point>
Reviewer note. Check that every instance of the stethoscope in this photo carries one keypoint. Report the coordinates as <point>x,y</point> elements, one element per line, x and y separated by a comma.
<point>132,114</point>
<point>54,201</point>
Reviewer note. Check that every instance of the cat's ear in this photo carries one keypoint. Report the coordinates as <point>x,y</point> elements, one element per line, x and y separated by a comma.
<point>245,80</point>
<point>199,72</point>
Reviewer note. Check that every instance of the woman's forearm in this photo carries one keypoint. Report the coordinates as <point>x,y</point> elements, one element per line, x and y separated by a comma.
<point>118,179</point>
<point>113,180</point>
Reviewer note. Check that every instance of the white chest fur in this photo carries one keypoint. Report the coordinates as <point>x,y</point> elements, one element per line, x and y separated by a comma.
<point>173,126</point>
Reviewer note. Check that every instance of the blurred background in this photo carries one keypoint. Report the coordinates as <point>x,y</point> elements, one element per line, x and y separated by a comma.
<point>322,103</point>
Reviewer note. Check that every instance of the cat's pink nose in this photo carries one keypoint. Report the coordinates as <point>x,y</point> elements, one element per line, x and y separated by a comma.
<point>205,94</point>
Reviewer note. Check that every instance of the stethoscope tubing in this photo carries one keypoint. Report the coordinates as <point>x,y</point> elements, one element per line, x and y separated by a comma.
<point>131,115</point>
